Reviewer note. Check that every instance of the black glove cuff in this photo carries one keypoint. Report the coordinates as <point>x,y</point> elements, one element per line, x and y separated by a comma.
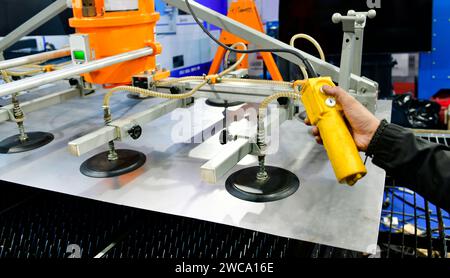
<point>373,143</point>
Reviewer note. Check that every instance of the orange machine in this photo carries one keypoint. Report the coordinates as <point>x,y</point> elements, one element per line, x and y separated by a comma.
<point>115,32</point>
<point>245,12</point>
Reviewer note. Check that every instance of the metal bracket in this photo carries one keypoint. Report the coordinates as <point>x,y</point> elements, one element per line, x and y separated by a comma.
<point>118,130</point>
<point>234,152</point>
<point>353,26</point>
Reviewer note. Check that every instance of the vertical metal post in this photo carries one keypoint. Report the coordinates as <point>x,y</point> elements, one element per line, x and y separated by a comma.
<point>429,231</point>
<point>388,252</point>
<point>18,114</point>
<point>347,59</point>
<point>352,45</point>
<point>442,235</point>
<point>112,154</point>
<point>415,226</point>
<point>357,59</point>
<point>261,142</point>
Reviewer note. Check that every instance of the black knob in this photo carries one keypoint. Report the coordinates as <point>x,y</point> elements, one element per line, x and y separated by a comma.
<point>223,137</point>
<point>283,101</point>
<point>135,132</point>
<point>175,90</point>
<point>73,82</point>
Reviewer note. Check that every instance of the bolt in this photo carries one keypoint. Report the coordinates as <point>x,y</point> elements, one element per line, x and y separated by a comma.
<point>262,173</point>
<point>112,155</point>
<point>73,82</point>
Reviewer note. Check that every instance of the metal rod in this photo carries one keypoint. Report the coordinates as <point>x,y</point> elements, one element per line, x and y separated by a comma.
<point>442,233</point>
<point>17,113</point>
<point>261,141</point>
<point>429,232</point>
<point>33,23</point>
<point>112,155</point>
<point>34,58</point>
<point>403,227</point>
<point>19,117</point>
<point>415,225</point>
<point>390,224</point>
<point>262,174</point>
<point>50,77</point>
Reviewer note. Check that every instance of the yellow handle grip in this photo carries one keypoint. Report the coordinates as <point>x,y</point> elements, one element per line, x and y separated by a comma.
<point>327,115</point>
<point>341,148</point>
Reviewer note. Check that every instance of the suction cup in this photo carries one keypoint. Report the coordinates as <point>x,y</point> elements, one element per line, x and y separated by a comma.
<point>222,103</point>
<point>99,166</point>
<point>280,184</point>
<point>137,96</point>
<point>35,140</point>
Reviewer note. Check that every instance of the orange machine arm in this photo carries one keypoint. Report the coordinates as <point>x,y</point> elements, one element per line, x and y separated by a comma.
<point>244,11</point>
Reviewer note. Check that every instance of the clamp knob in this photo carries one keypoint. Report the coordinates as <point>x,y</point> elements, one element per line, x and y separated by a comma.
<point>135,132</point>
<point>223,137</point>
<point>337,18</point>
<point>175,90</point>
<point>226,137</point>
<point>372,14</point>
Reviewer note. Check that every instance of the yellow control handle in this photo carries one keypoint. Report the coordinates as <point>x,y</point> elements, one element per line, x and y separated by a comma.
<point>327,115</point>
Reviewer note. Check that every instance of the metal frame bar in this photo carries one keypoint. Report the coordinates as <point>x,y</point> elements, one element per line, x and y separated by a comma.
<point>237,91</point>
<point>42,79</point>
<point>247,92</point>
<point>40,103</point>
<point>32,24</point>
<point>224,161</point>
<point>118,130</point>
<point>230,155</point>
<point>347,60</point>
<point>34,58</point>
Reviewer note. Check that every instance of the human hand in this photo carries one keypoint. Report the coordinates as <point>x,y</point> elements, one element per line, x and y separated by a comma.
<point>362,123</point>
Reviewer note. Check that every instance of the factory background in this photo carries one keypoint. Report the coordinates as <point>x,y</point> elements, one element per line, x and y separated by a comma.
<point>188,51</point>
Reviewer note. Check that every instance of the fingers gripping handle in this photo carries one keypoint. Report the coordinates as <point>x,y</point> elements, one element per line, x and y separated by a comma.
<point>326,114</point>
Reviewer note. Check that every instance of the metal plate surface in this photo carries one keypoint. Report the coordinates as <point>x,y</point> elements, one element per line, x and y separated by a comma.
<point>321,211</point>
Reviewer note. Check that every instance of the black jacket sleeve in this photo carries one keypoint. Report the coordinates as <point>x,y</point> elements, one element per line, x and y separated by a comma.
<point>415,163</point>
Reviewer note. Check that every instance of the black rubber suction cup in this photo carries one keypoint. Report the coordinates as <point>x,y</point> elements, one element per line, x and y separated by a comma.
<point>222,103</point>
<point>99,166</point>
<point>279,184</point>
<point>35,140</point>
